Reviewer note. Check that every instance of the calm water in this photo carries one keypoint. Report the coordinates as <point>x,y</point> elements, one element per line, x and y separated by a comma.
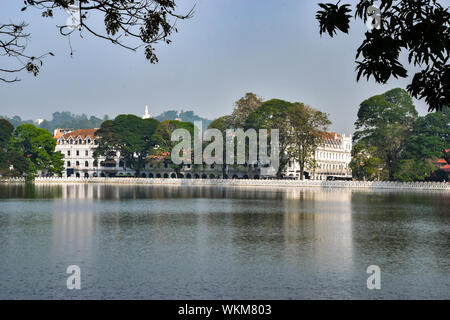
<point>144,242</point>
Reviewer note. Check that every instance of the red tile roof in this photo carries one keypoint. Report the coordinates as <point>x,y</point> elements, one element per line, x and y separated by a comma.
<point>83,133</point>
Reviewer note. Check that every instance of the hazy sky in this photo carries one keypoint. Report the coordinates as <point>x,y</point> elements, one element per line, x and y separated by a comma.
<point>229,47</point>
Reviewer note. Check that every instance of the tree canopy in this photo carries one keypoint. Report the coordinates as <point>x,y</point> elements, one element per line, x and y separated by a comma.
<point>28,151</point>
<point>130,135</point>
<point>384,121</point>
<point>420,28</point>
<point>393,143</point>
<point>130,24</point>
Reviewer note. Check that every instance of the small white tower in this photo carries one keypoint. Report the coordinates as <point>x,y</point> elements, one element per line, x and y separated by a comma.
<point>146,114</point>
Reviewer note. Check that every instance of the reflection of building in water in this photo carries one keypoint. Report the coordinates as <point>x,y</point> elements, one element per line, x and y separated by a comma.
<point>73,231</point>
<point>319,222</point>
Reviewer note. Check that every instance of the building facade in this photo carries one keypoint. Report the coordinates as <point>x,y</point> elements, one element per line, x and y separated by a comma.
<point>77,147</point>
<point>332,158</point>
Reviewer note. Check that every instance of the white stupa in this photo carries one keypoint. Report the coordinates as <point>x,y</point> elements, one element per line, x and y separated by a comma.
<point>146,114</point>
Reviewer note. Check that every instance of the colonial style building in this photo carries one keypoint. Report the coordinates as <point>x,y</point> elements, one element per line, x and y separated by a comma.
<point>77,147</point>
<point>332,157</point>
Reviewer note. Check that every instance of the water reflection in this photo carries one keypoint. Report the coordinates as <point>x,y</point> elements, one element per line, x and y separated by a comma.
<point>222,242</point>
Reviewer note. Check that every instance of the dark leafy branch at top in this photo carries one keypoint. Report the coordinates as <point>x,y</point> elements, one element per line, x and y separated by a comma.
<point>13,42</point>
<point>419,27</point>
<point>131,24</point>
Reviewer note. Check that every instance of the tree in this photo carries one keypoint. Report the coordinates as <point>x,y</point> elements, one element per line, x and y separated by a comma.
<point>13,42</point>
<point>6,130</point>
<point>130,135</point>
<point>273,114</point>
<point>365,164</point>
<point>421,28</point>
<point>429,138</point>
<point>222,124</point>
<point>129,24</point>
<point>384,121</point>
<point>164,145</point>
<point>243,108</point>
<point>308,127</point>
<point>33,149</point>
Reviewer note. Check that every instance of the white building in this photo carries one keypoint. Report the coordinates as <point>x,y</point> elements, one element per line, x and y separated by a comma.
<point>78,148</point>
<point>332,157</point>
<point>39,121</point>
<point>146,114</point>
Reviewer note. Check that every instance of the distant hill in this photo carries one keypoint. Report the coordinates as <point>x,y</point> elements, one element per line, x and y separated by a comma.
<point>63,119</point>
<point>66,119</point>
<point>186,116</point>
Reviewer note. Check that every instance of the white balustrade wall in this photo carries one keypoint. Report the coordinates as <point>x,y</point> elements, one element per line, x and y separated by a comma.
<point>245,182</point>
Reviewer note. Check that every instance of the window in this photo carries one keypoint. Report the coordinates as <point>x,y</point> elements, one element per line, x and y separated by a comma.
<point>68,152</point>
<point>78,152</point>
<point>86,163</point>
<point>86,153</point>
<point>68,163</point>
<point>77,163</point>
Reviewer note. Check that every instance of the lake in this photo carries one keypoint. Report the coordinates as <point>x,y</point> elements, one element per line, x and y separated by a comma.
<point>205,242</point>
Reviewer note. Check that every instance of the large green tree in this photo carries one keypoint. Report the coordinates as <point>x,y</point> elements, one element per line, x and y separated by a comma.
<point>419,28</point>
<point>274,114</point>
<point>243,108</point>
<point>308,126</point>
<point>6,131</point>
<point>130,135</point>
<point>427,142</point>
<point>222,124</point>
<point>32,149</point>
<point>365,164</point>
<point>385,121</point>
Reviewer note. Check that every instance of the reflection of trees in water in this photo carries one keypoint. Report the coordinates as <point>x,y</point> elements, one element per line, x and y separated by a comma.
<point>29,191</point>
<point>401,229</point>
